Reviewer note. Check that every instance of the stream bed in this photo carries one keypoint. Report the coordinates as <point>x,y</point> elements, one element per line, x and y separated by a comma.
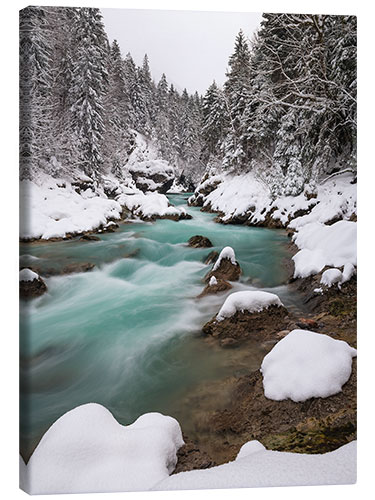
<point>127,334</point>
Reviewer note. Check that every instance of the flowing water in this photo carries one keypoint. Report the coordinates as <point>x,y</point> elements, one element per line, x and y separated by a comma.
<point>127,334</point>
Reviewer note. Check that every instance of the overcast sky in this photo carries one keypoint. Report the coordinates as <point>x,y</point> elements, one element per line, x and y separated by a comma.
<point>191,47</point>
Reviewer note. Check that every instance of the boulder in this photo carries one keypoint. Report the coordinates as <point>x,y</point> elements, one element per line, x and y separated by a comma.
<point>89,237</point>
<point>226,270</point>
<point>244,325</point>
<point>211,257</point>
<point>199,241</point>
<point>31,284</point>
<point>219,286</point>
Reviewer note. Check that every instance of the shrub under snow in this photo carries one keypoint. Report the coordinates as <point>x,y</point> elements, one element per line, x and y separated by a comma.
<point>87,450</point>
<point>251,301</point>
<point>305,365</point>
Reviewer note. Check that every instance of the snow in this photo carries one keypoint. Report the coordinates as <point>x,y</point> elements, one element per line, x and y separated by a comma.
<point>235,195</point>
<point>226,253</point>
<point>323,245</point>
<point>28,275</point>
<point>305,365</point>
<point>146,167</point>
<point>54,209</point>
<point>331,277</point>
<point>149,205</point>
<point>348,271</point>
<point>247,197</point>
<point>87,450</point>
<point>336,198</point>
<point>213,281</point>
<point>251,301</point>
<point>258,467</point>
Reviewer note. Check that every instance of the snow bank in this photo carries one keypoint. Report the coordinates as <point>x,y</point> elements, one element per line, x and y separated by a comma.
<point>149,205</point>
<point>28,275</point>
<point>226,253</point>
<point>251,301</point>
<point>258,467</point>
<point>53,208</point>
<point>306,365</point>
<point>323,245</point>
<point>236,195</point>
<point>87,450</point>
<point>336,199</point>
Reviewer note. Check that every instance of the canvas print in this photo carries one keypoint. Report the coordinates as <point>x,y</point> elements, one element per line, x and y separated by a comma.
<point>187,250</point>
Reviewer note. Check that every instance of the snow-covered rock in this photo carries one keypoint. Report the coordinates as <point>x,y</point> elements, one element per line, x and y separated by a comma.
<point>151,205</point>
<point>31,284</point>
<point>331,277</point>
<point>28,275</point>
<point>250,301</point>
<point>226,253</point>
<point>213,281</point>
<point>87,450</point>
<point>149,171</point>
<point>305,365</point>
<point>257,467</point>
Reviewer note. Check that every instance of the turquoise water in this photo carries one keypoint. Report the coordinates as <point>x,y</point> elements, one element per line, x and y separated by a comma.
<point>127,334</point>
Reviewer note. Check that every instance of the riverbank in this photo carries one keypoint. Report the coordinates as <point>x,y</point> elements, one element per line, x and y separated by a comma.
<point>316,225</point>
<point>214,433</point>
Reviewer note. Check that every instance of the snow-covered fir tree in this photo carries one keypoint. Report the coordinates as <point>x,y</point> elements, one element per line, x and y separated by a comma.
<point>287,109</point>
<point>88,88</point>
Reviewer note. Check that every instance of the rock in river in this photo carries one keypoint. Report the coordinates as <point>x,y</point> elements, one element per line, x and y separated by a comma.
<point>199,241</point>
<point>31,284</point>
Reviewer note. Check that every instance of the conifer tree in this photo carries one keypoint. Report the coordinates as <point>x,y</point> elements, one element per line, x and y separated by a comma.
<point>89,85</point>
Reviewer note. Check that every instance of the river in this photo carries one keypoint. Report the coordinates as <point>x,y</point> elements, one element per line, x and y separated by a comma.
<point>127,334</point>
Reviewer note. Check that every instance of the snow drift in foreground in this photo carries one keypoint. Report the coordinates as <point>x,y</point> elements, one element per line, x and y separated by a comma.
<point>257,467</point>
<point>87,450</point>
<point>251,301</point>
<point>306,365</point>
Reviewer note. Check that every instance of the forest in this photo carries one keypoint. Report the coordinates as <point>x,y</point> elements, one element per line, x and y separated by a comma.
<point>287,110</point>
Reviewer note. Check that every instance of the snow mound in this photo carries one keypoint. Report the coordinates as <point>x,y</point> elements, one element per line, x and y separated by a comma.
<point>348,271</point>
<point>28,275</point>
<point>251,301</point>
<point>87,450</point>
<point>321,245</point>
<point>331,277</point>
<point>149,205</point>
<point>236,195</point>
<point>258,467</point>
<point>54,208</point>
<point>305,365</point>
<point>226,253</point>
